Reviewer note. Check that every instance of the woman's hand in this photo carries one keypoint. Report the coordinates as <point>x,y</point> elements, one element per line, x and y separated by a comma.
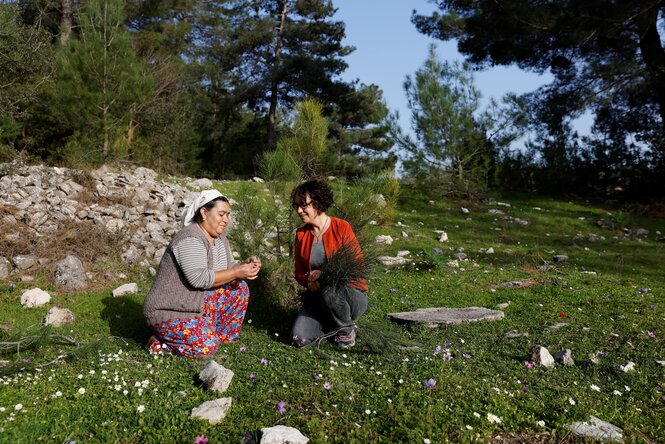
<point>313,284</point>
<point>248,270</point>
<point>253,259</point>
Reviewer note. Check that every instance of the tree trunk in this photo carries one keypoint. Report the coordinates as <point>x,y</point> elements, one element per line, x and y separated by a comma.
<point>66,21</point>
<point>654,58</point>
<point>275,81</point>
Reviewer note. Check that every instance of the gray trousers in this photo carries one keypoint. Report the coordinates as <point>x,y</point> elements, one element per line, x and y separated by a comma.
<point>326,311</point>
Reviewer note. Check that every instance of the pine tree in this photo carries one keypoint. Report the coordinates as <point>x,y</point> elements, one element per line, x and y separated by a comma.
<point>101,83</point>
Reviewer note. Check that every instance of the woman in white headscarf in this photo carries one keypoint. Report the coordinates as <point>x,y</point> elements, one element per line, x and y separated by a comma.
<point>199,296</point>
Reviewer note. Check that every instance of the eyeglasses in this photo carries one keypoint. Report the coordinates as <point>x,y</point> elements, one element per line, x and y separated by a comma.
<point>302,206</point>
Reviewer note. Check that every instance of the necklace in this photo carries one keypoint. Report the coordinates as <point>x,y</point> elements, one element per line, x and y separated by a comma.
<point>321,231</point>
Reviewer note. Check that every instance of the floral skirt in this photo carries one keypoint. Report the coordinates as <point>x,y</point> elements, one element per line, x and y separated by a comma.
<point>223,313</point>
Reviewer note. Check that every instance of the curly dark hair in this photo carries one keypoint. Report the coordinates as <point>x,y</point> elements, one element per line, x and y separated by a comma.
<point>319,192</point>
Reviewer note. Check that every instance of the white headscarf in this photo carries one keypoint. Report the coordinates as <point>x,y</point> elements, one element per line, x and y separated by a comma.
<point>190,210</point>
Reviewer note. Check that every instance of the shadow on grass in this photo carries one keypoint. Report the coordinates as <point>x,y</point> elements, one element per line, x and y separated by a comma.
<point>125,318</point>
<point>267,313</point>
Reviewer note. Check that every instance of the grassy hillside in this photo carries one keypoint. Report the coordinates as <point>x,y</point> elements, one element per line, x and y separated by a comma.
<point>610,293</point>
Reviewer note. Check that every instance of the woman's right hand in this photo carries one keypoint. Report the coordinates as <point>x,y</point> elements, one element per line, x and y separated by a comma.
<point>247,270</point>
<point>313,284</point>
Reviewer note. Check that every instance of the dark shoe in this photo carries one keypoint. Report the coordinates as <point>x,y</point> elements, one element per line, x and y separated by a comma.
<point>346,341</point>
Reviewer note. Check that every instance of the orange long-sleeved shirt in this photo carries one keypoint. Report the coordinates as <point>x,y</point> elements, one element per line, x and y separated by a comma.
<point>339,232</point>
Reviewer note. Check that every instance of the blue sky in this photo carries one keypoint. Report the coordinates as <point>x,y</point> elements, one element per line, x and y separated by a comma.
<point>388,48</point>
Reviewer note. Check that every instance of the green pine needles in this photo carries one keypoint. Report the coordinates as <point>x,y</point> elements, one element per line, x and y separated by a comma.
<point>347,265</point>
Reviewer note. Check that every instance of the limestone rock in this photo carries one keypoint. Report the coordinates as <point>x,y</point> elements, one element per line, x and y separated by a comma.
<point>443,237</point>
<point>70,274</point>
<point>433,317</point>
<point>598,429</point>
<point>628,367</point>
<point>465,210</point>
<point>216,378</point>
<point>257,179</point>
<point>213,411</point>
<point>201,183</point>
<point>126,289</point>
<point>557,326</point>
<point>282,435</point>
<point>564,357</point>
<point>57,317</point>
<point>541,356</point>
<point>559,258</point>
<point>391,261</point>
<point>35,297</point>
<point>24,261</point>
<point>503,305</point>
<point>514,334</point>
<point>383,240</point>
<point>5,267</point>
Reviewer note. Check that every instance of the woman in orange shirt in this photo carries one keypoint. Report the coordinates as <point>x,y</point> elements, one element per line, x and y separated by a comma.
<point>324,308</point>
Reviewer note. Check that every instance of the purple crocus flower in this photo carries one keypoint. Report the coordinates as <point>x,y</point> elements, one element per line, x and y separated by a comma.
<point>525,389</point>
<point>281,407</point>
<point>466,356</point>
<point>653,307</point>
<point>316,376</point>
<point>242,349</point>
<point>448,345</point>
<point>437,349</point>
<point>430,383</point>
<point>264,361</point>
<point>252,376</point>
<point>447,356</point>
<point>393,290</point>
<point>642,291</point>
<point>327,385</point>
<point>388,360</point>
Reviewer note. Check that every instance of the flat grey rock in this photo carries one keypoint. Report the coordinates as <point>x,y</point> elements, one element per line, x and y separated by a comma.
<point>598,429</point>
<point>513,334</point>
<point>557,326</point>
<point>433,317</point>
<point>217,378</point>
<point>213,411</point>
<point>391,261</point>
<point>282,435</point>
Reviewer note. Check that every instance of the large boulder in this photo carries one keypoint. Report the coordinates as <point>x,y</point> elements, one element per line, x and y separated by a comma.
<point>70,274</point>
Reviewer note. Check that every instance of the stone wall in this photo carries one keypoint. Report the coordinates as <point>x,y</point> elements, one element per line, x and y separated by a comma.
<point>137,206</point>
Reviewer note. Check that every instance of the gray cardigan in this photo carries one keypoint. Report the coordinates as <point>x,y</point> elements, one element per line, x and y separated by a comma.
<point>171,296</point>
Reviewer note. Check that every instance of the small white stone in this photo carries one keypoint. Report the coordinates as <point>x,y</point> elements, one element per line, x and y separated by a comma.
<point>125,289</point>
<point>35,297</point>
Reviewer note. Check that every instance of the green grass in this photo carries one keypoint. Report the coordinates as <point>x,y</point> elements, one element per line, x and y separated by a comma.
<point>381,397</point>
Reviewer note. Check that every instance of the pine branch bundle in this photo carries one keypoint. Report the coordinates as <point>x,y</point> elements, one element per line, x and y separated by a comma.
<point>346,265</point>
